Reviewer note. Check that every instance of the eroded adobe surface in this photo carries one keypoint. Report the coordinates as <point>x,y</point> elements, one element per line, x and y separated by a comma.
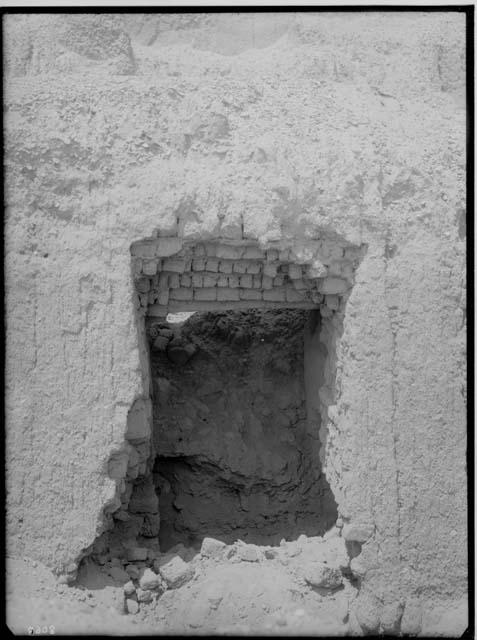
<point>282,129</point>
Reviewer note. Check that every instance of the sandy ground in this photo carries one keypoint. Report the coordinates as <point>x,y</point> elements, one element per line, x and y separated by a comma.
<point>236,592</point>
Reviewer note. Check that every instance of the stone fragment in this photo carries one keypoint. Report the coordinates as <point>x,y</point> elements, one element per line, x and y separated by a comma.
<point>208,293</point>
<point>272,255</point>
<point>136,553</point>
<point>211,548</point>
<point>144,595</point>
<point>292,295</point>
<point>271,554</point>
<point>233,282</point>
<point>267,282</point>
<point>212,265</point>
<point>181,294</point>
<point>249,553</point>
<point>257,282</point>
<point>357,532</point>
<point>176,265</point>
<point>143,285</point>
<point>165,247</point>
<point>118,464</point>
<point>246,281</point>
<point>300,285</point>
<point>226,295</point>
<point>160,343</point>
<point>198,264</point>
<point>144,498</point>
<point>139,419</point>
<point>132,606</point>
<point>274,295</point>
<point>333,285</point>
<point>332,302</point>
<point>225,267</point>
<point>316,270</point>
<point>197,280</point>
<point>149,267</point>
<point>149,580</point>
<point>240,267</point>
<point>253,267</point>
<point>223,281</point>
<point>163,281</point>
<point>174,281</point>
<point>295,272</point>
<point>176,572</point>
<point>270,270</point>
<point>229,252</point>
<point>199,250</point>
<point>318,574</point>
<point>133,571</point>
<point>250,294</point>
<point>129,588</point>
<point>209,281</point>
<point>117,573</point>
<point>278,281</point>
<point>186,280</point>
<point>253,253</point>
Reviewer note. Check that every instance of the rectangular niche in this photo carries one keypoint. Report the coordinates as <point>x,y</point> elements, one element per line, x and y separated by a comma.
<point>236,456</point>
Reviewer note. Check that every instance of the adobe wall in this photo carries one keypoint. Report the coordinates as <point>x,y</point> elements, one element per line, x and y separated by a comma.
<point>284,130</point>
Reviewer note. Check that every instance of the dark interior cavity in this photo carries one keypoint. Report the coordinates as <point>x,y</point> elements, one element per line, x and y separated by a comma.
<point>236,457</point>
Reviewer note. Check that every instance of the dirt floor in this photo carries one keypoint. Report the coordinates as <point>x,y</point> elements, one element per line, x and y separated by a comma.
<point>299,587</point>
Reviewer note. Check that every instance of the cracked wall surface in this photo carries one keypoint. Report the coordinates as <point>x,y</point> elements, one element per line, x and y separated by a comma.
<point>279,129</point>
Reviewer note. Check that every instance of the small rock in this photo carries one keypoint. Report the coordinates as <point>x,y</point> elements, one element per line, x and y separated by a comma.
<point>302,538</point>
<point>357,532</point>
<point>72,567</point>
<point>321,575</point>
<point>143,595</point>
<point>131,606</point>
<point>149,580</point>
<point>117,573</point>
<point>133,571</point>
<point>176,572</point>
<point>129,589</point>
<point>271,554</point>
<point>249,553</point>
<point>211,548</point>
<point>137,553</point>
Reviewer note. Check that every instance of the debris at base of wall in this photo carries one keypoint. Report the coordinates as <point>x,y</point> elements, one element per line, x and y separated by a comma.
<point>301,585</point>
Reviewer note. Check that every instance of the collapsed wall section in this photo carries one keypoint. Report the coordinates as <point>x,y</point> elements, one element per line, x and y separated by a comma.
<point>171,275</point>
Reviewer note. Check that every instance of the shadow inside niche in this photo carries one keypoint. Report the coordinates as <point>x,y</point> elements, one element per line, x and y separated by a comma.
<point>236,457</point>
